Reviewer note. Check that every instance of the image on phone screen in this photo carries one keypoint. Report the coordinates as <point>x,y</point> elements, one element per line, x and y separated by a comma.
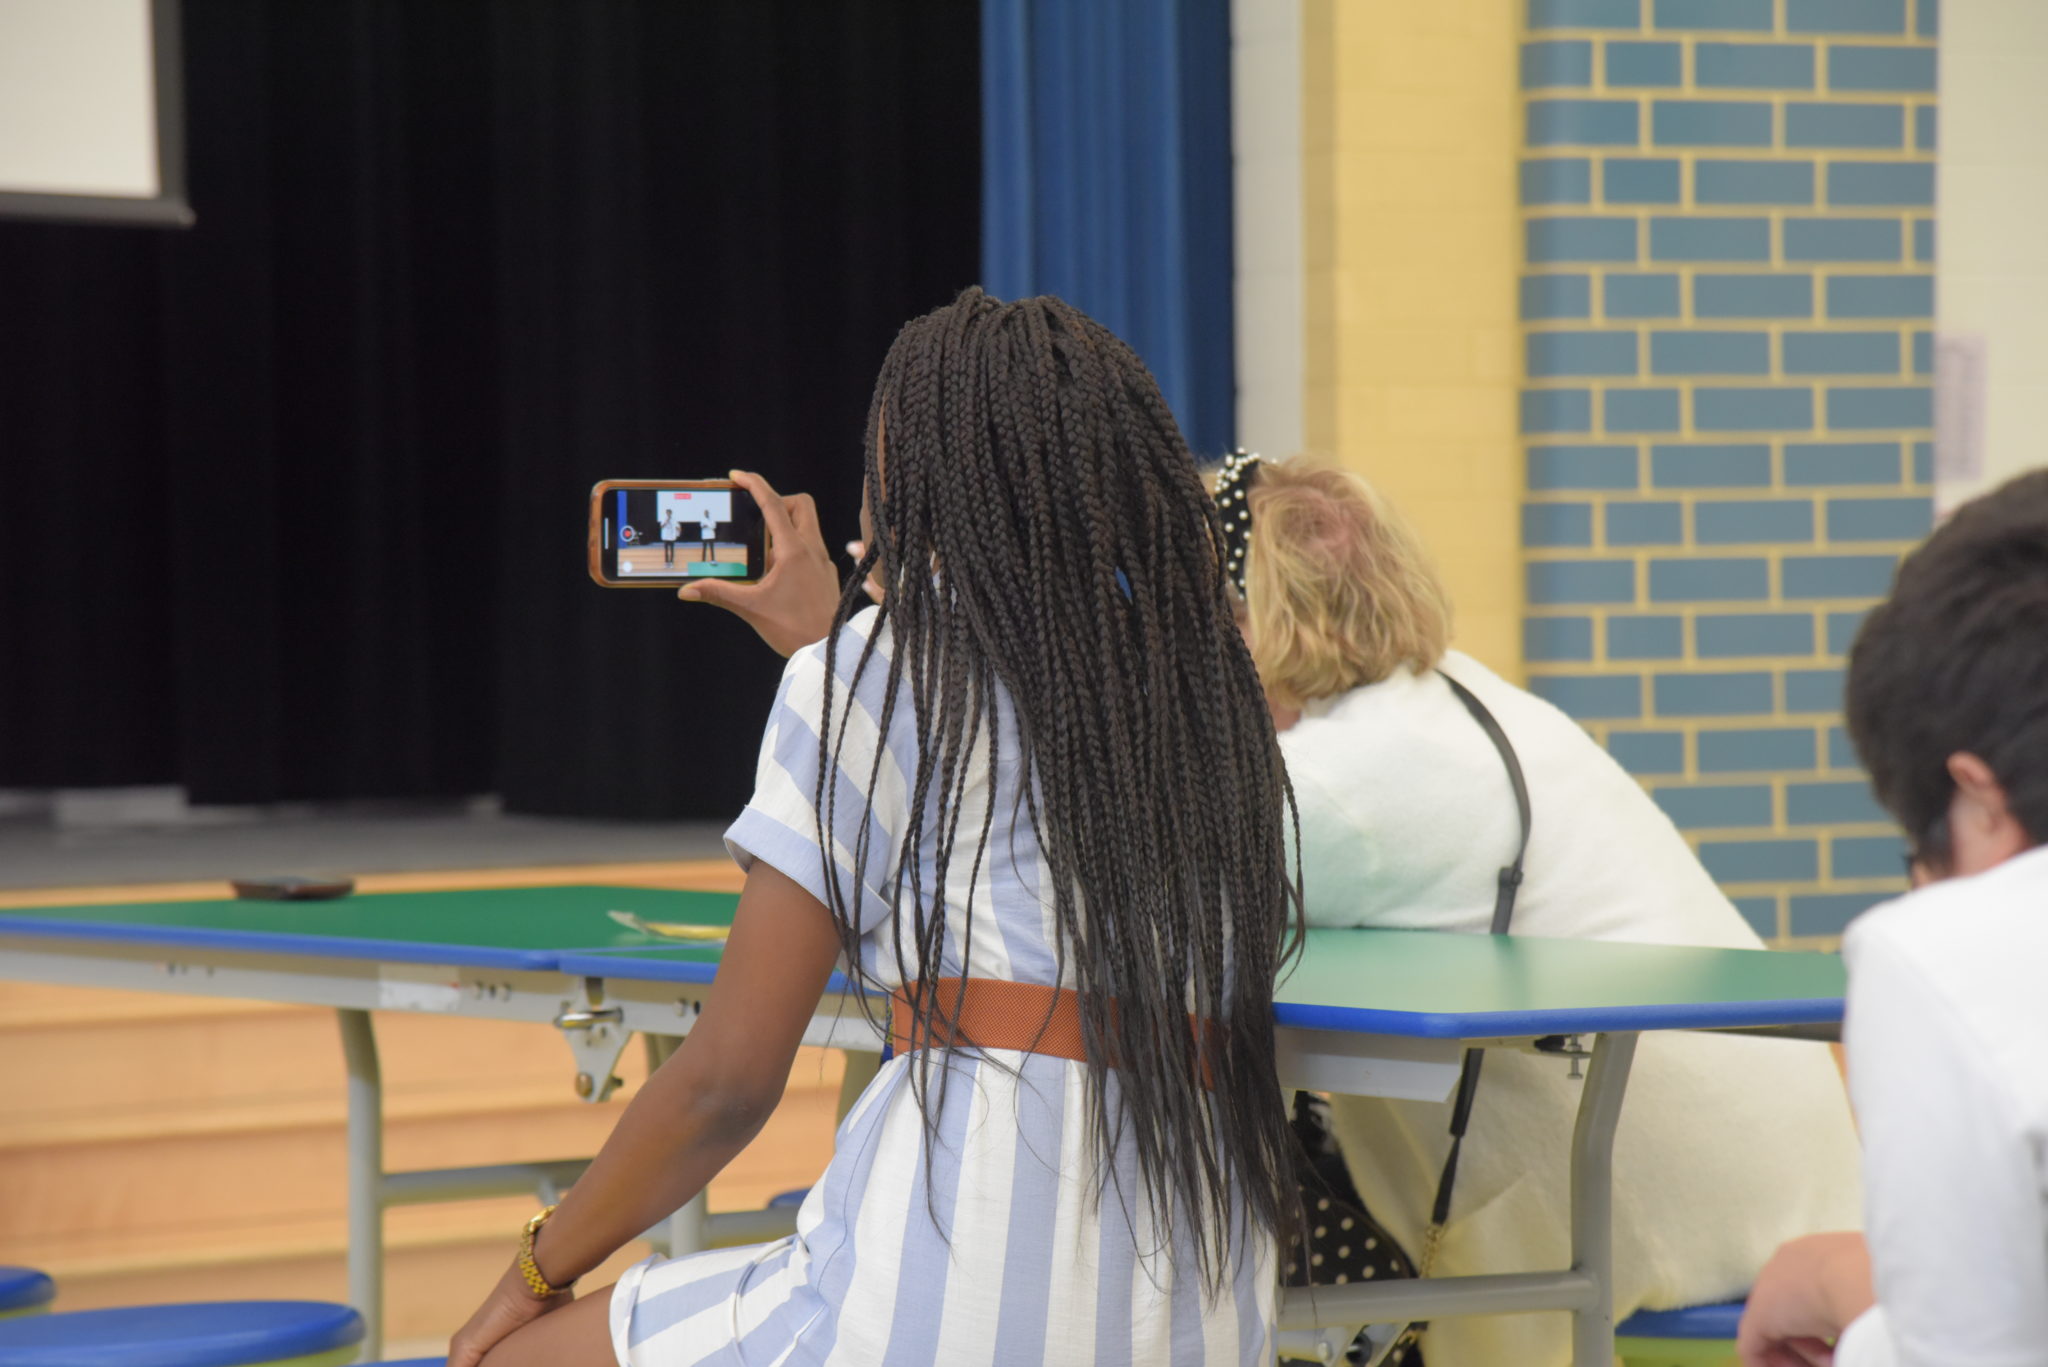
<point>680,533</point>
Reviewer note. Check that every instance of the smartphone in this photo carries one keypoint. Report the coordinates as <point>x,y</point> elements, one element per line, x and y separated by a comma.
<point>656,533</point>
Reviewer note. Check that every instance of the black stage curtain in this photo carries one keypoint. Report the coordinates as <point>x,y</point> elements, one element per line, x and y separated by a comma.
<point>292,504</point>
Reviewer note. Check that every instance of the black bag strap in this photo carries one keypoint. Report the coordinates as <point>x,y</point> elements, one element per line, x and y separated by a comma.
<point>1508,885</point>
<point>1511,876</point>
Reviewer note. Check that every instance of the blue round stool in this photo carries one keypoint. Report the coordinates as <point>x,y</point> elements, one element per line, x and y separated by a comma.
<point>206,1334</point>
<point>24,1290</point>
<point>1697,1336</point>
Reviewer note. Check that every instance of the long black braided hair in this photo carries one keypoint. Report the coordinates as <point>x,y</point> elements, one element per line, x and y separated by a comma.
<point>1039,529</point>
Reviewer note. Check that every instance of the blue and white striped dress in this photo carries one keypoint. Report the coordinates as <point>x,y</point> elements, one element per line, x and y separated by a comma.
<point>1006,1255</point>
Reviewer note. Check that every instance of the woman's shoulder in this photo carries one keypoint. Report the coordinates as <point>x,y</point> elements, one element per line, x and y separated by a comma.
<point>1368,764</point>
<point>1956,933</point>
<point>1490,687</point>
<point>1369,706</point>
<point>804,675</point>
<point>1532,722</point>
<point>1395,720</point>
<point>1384,780</point>
<point>846,645</point>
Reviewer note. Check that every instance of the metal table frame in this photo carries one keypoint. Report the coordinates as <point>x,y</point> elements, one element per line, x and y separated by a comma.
<point>596,1028</point>
<point>597,1013</point>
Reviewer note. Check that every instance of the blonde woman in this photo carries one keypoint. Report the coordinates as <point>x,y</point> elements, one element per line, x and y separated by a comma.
<point>1727,1145</point>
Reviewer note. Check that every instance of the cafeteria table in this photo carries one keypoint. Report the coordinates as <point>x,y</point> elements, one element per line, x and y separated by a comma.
<point>1365,1012</point>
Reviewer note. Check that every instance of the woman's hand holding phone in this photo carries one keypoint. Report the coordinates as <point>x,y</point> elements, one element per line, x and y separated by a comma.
<point>792,604</point>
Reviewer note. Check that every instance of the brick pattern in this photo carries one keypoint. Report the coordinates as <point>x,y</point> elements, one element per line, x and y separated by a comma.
<point>1727,305</point>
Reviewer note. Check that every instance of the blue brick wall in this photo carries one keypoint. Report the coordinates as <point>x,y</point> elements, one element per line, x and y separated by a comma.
<point>1631,295</point>
<point>1656,523</point>
<point>1650,637</point>
<point>1727,304</point>
<point>1845,126</point>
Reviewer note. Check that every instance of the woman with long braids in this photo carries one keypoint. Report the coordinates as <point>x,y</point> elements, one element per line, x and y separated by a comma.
<point>1034,798</point>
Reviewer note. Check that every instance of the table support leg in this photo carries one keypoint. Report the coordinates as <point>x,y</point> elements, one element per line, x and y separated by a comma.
<point>684,1230</point>
<point>1593,1195</point>
<point>861,1067</point>
<point>659,1049</point>
<point>365,1177</point>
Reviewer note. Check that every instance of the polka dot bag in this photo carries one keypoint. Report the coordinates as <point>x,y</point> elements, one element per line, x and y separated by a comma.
<point>1341,1242</point>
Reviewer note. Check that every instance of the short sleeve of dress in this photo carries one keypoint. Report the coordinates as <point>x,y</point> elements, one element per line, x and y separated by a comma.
<point>866,799</point>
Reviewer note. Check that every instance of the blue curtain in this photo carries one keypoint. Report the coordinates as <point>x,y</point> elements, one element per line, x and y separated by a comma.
<point>1106,180</point>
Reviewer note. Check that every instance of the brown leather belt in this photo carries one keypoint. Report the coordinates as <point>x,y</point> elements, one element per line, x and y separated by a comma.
<point>994,1014</point>
<point>1031,1018</point>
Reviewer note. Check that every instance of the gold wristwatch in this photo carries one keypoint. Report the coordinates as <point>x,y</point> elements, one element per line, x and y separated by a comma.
<point>530,1273</point>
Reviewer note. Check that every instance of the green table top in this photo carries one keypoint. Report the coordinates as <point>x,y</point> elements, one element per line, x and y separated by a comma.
<point>1441,986</point>
<point>1437,986</point>
<point>524,928</point>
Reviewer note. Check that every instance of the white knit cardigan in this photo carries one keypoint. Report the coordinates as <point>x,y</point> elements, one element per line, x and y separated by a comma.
<point>1727,1145</point>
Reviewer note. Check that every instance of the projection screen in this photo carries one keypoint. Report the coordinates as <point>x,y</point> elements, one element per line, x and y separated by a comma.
<point>92,111</point>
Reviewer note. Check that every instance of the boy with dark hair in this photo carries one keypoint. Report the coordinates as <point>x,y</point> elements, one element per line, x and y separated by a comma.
<point>1948,1011</point>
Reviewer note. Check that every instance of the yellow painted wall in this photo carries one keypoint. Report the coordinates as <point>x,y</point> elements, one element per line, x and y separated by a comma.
<point>1991,254</point>
<point>1410,124</point>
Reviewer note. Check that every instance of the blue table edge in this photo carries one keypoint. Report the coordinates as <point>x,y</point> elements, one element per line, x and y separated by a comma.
<point>604,963</point>
<point>1747,1015</point>
<point>596,961</point>
<point>1760,1014</point>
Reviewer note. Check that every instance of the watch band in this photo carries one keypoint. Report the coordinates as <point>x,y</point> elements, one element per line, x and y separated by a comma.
<point>538,1285</point>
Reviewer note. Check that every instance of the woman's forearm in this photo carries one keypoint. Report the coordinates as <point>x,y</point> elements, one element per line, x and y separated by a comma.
<point>715,1092</point>
<point>678,1134</point>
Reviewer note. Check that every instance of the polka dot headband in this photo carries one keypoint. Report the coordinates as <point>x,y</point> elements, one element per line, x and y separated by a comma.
<point>1234,501</point>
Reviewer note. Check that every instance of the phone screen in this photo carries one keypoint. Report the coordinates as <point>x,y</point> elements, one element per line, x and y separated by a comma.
<point>644,532</point>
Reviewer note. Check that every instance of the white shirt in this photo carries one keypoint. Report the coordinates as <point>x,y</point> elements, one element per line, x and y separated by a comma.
<point>1727,1147</point>
<point>707,526</point>
<point>1948,1063</point>
<point>1407,818</point>
<point>669,527</point>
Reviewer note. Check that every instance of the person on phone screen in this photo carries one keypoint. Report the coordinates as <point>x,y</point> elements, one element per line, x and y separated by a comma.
<point>707,533</point>
<point>1408,816</point>
<point>1057,1166</point>
<point>670,530</point>
<point>1947,704</point>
